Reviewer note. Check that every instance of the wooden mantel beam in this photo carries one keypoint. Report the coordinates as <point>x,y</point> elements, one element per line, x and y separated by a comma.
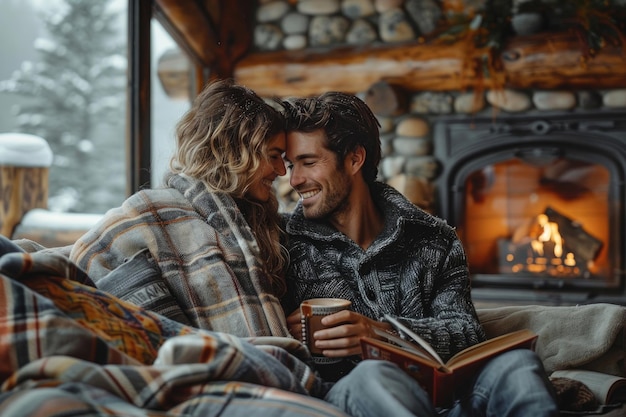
<point>553,61</point>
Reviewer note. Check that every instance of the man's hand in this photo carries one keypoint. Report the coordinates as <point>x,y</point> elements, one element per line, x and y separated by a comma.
<point>343,335</point>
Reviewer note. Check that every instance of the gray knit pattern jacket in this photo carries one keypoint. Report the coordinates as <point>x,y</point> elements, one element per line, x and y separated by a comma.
<point>416,270</point>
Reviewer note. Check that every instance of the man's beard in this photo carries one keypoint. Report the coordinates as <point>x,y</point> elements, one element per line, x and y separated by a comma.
<point>335,202</point>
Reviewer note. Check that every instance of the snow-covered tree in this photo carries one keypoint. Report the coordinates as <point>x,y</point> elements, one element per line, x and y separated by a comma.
<point>76,95</point>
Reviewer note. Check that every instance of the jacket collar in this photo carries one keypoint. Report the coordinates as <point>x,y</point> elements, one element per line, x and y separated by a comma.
<point>397,210</point>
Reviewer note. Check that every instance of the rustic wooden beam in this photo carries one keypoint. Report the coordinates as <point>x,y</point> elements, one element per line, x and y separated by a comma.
<point>214,33</point>
<point>553,62</point>
<point>191,26</point>
<point>235,34</point>
<point>174,72</point>
<point>544,61</point>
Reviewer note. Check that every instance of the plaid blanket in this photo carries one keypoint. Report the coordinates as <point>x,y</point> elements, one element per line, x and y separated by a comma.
<point>67,348</point>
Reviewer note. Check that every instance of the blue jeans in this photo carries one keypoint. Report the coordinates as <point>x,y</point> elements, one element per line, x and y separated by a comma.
<point>514,384</point>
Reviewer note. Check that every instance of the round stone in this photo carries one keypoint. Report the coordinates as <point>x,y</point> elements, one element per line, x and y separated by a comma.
<point>509,100</point>
<point>319,7</point>
<point>271,11</point>
<point>413,127</point>
<point>412,146</point>
<point>294,23</point>
<point>554,100</point>
<point>615,98</point>
<point>294,42</point>
<point>355,9</point>
<point>469,103</point>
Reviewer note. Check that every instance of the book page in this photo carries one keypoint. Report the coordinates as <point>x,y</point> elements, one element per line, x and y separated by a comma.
<point>406,345</point>
<point>417,339</point>
<point>604,386</point>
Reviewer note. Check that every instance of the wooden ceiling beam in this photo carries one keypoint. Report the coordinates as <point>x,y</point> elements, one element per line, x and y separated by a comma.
<point>541,61</point>
<point>214,33</point>
<point>191,26</point>
<point>235,33</point>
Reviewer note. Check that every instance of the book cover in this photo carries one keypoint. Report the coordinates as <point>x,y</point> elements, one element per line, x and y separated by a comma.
<point>440,379</point>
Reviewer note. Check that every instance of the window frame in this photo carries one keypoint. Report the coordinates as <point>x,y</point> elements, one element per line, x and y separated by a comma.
<point>139,130</point>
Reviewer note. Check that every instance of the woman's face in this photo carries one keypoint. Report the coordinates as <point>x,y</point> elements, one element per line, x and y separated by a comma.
<point>261,188</point>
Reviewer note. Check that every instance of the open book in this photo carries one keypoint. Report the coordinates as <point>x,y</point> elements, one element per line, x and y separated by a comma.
<point>608,389</point>
<point>440,379</point>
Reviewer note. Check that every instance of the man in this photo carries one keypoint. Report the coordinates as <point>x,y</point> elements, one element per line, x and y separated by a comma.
<point>355,238</point>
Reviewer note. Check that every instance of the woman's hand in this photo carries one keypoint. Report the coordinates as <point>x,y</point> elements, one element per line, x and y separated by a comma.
<point>294,324</point>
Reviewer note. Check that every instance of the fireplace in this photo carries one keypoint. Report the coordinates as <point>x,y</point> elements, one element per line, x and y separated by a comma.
<point>539,204</point>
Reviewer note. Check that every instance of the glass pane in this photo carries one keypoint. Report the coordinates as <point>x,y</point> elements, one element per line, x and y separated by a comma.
<point>171,77</point>
<point>549,219</point>
<point>63,78</point>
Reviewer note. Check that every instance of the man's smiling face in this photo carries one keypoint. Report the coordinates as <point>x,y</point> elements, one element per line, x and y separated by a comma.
<point>316,175</point>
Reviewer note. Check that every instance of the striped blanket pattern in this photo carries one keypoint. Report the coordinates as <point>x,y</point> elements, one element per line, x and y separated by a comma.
<point>71,349</point>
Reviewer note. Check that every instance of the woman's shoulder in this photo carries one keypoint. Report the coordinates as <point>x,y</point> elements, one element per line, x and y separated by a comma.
<point>155,200</point>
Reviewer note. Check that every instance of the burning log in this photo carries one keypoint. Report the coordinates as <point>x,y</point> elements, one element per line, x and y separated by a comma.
<point>551,244</point>
<point>581,243</point>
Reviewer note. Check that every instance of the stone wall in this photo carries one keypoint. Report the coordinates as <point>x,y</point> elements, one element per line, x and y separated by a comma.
<point>408,162</point>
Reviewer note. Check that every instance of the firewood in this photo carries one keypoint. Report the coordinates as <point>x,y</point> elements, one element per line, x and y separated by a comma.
<point>577,240</point>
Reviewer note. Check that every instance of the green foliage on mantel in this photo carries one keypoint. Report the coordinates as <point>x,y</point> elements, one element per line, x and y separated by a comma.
<point>485,32</point>
<point>596,22</point>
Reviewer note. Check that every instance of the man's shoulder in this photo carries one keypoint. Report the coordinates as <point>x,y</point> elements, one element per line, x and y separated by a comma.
<point>396,204</point>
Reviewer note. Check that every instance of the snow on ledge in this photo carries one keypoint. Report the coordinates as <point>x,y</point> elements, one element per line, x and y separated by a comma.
<point>46,219</point>
<point>24,150</point>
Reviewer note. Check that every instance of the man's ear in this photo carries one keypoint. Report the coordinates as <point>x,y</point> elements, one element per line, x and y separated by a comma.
<point>356,159</point>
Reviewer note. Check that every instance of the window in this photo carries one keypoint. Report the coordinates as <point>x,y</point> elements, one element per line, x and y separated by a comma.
<point>63,78</point>
<point>171,75</point>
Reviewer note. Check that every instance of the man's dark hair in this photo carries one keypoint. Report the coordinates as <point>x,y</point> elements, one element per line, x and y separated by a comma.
<point>347,121</point>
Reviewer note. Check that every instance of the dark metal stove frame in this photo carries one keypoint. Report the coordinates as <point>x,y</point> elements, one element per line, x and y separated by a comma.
<point>463,144</point>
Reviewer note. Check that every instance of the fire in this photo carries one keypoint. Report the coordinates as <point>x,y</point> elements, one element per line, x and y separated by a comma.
<point>547,250</point>
<point>542,247</point>
<point>550,233</point>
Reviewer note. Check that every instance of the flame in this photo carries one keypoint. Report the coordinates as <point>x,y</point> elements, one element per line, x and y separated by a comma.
<point>550,234</point>
<point>547,252</point>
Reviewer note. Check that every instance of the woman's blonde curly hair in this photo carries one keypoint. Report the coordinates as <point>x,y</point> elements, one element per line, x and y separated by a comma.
<point>222,140</point>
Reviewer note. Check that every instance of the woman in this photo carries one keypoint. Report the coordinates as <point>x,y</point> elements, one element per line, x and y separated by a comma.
<point>206,248</point>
